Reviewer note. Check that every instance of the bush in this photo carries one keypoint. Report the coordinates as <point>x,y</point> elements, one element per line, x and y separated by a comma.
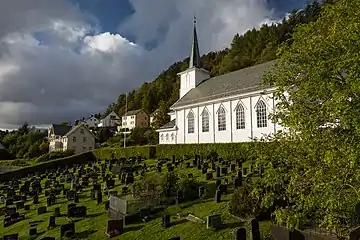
<point>190,188</point>
<point>54,155</point>
<point>51,164</point>
<point>108,153</point>
<point>223,150</point>
<point>243,204</point>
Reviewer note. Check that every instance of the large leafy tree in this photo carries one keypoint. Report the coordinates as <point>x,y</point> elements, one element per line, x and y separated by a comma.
<point>314,165</point>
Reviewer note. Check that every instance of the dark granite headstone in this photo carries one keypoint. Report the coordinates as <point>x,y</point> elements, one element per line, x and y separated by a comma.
<point>41,210</point>
<point>115,227</point>
<point>166,221</point>
<point>67,230</point>
<point>217,196</point>
<point>240,234</point>
<point>255,229</point>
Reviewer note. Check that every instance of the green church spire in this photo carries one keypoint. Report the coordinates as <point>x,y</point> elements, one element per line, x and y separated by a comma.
<point>195,61</point>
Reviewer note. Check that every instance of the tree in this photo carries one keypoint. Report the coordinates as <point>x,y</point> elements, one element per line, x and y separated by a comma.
<point>314,165</point>
<point>161,117</point>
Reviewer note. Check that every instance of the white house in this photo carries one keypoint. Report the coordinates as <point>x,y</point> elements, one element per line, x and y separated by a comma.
<point>91,122</point>
<point>78,138</point>
<point>233,107</point>
<point>135,118</point>
<point>111,120</point>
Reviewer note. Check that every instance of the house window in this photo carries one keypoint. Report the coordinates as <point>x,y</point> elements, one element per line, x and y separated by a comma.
<point>82,131</point>
<point>84,139</point>
<point>205,121</point>
<point>172,137</point>
<point>162,137</point>
<point>240,117</point>
<point>167,137</point>
<point>132,117</point>
<point>74,139</point>
<point>261,114</point>
<point>221,119</point>
<point>191,122</point>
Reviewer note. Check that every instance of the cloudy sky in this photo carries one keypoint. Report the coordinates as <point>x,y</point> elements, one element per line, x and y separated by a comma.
<point>64,59</point>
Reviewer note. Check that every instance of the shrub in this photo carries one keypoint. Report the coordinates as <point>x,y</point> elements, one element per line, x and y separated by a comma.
<point>243,204</point>
<point>108,153</point>
<point>54,155</point>
<point>190,188</point>
<point>51,164</point>
<point>223,150</point>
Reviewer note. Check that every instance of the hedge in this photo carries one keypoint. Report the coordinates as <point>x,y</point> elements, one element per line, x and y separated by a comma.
<point>223,150</point>
<point>54,164</point>
<point>107,153</point>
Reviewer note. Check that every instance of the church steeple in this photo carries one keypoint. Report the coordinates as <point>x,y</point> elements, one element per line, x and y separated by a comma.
<point>195,61</point>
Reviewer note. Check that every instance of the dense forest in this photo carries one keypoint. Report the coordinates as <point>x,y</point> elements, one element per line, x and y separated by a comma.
<point>254,47</point>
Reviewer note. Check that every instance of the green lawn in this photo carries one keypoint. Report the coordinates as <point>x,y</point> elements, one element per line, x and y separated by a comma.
<point>94,226</point>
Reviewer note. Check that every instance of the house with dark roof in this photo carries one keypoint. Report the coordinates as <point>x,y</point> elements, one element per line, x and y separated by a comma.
<point>111,120</point>
<point>135,118</point>
<point>233,107</point>
<point>77,138</point>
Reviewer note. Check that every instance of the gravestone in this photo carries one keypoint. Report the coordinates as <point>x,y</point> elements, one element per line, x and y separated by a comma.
<point>20,205</point>
<point>217,172</point>
<point>14,236</point>
<point>237,182</point>
<point>217,196</point>
<point>32,231</point>
<point>9,202</point>
<point>201,192</point>
<point>115,227</point>
<point>166,221</point>
<point>41,210</point>
<point>67,230</point>
<point>218,182</point>
<point>240,233</point>
<point>50,201</point>
<point>174,238</point>
<point>255,229</point>
<point>99,197</point>
<point>27,207</point>
<point>224,170</point>
<point>57,212</point>
<point>232,167</point>
<point>70,195</point>
<point>78,211</point>
<point>93,194</point>
<point>204,170</point>
<point>52,222</point>
<point>76,199</point>
<point>214,221</point>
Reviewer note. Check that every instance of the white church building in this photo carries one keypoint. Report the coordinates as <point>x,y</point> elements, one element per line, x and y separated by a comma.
<point>233,107</point>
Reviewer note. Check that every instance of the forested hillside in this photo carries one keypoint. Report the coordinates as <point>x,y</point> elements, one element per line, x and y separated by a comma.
<point>255,46</point>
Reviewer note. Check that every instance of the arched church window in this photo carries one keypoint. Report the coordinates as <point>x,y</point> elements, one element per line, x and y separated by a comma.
<point>167,137</point>
<point>191,123</point>
<point>240,117</point>
<point>221,119</point>
<point>162,137</point>
<point>205,121</point>
<point>261,114</point>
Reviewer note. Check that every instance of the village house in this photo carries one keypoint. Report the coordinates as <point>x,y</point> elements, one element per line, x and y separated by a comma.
<point>78,138</point>
<point>111,120</point>
<point>90,122</point>
<point>135,118</point>
<point>233,107</point>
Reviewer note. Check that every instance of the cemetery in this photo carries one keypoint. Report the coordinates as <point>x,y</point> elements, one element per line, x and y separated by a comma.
<point>139,198</point>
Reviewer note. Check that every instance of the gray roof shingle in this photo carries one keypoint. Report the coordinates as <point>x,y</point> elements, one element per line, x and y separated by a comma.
<point>133,112</point>
<point>61,130</point>
<point>168,125</point>
<point>237,82</point>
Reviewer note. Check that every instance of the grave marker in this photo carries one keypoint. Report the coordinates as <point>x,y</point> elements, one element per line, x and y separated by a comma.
<point>115,227</point>
<point>214,221</point>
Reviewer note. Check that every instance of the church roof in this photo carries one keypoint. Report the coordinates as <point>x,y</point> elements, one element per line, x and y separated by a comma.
<point>168,125</point>
<point>242,81</point>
